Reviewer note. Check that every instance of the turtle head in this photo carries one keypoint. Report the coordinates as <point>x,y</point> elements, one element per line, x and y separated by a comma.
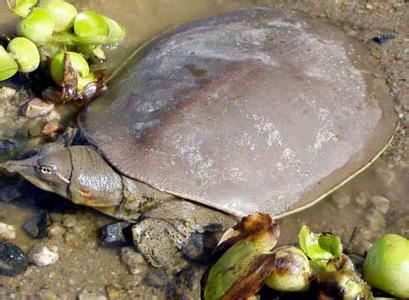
<point>50,169</point>
<point>78,173</point>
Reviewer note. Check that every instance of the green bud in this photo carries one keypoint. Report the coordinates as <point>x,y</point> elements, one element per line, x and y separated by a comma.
<point>26,54</point>
<point>21,8</point>
<point>62,12</point>
<point>324,246</point>
<point>84,81</point>
<point>344,283</point>
<point>291,272</point>
<point>8,66</point>
<point>90,24</point>
<point>386,266</point>
<point>38,26</point>
<point>78,62</point>
<point>116,31</point>
<point>243,268</point>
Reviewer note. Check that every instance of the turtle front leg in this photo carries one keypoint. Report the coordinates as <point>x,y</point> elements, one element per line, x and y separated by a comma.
<point>163,231</point>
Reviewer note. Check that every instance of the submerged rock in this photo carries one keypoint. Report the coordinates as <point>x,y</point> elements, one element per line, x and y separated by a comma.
<point>36,108</point>
<point>7,147</point>
<point>36,227</point>
<point>116,234</point>
<point>134,261</point>
<point>42,256</point>
<point>13,260</point>
<point>7,232</point>
<point>86,294</point>
<point>383,37</point>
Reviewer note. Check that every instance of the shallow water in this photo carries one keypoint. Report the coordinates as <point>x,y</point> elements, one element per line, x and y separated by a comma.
<point>373,203</point>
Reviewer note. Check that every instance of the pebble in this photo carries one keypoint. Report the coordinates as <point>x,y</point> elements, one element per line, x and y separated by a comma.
<point>7,147</point>
<point>381,203</point>
<point>36,227</point>
<point>116,234</point>
<point>90,295</point>
<point>115,292</point>
<point>196,248</point>
<point>383,37</point>
<point>36,108</point>
<point>51,129</point>
<point>42,256</point>
<point>69,221</point>
<point>13,260</point>
<point>7,232</point>
<point>56,231</point>
<point>158,278</point>
<point>361,199</point>
<point>7,92</point>
<point>133,260</point>
<point>342,198</point>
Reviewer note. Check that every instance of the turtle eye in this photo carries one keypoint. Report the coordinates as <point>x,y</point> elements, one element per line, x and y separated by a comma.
<point>45,170</point>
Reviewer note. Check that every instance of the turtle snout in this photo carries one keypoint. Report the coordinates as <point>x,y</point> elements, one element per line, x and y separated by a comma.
<point>21,167</point>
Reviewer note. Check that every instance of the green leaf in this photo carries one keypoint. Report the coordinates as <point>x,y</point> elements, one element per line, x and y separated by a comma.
<point>21,8</point>
<point>8,66</point>
<point>324,246</point>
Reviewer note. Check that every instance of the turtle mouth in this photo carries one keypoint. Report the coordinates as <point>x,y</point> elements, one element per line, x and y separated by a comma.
<point>27,168</point>
<point>20,166</point>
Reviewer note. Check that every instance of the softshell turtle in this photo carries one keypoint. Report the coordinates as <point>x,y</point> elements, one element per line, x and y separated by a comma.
<point>253,111</point>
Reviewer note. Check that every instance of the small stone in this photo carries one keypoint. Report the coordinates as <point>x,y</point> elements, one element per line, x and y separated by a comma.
<point>51,129</point>
<point>7,92</point>
<point>381,203</point>
<point>376,220</point>
<point>133,260</point>
<point>158,278</point>
<point>36,108</point>
<point>56,231</point>
<point>41,256</point>
<point>90,295</point>
<point>383,37</point>
<point>342,199</point>
<point>36,227</point>
<point>7,232</point>
<point>7,147</point>
<point>361,199</point>
<point>369,6</point>
<point>198,248</point>
<point>13,260</point>
<point>69,221</point>
<point>72,240</point>
<point>115,292</point>
<point>116,234</point>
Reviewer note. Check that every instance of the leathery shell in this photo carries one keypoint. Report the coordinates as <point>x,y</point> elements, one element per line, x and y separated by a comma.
<point>253,111</point>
